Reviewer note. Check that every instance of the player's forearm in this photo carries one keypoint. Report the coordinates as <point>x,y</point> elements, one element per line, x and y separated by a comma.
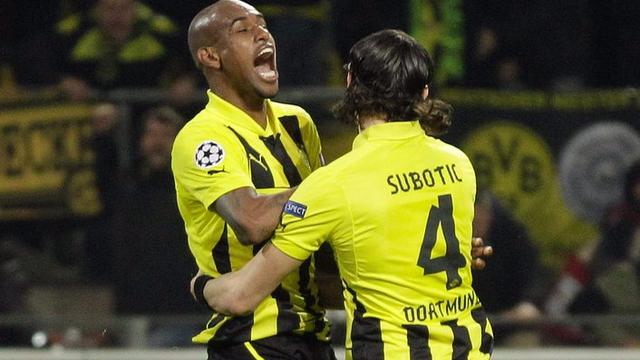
<point>240,292</point>
<point>226,295</point>
<point>214,292</point>
<point>252,217</point>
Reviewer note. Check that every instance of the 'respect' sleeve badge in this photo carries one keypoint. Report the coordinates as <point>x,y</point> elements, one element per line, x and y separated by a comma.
<point>295,209</point>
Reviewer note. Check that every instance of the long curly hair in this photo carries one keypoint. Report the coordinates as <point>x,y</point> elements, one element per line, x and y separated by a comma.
<point>389,72</point>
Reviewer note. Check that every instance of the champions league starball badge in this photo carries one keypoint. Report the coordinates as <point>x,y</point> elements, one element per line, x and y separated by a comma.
<point>209,154</point>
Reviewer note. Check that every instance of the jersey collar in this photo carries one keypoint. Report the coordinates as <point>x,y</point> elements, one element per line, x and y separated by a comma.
<point>397,130</point>
<point>235,117</point>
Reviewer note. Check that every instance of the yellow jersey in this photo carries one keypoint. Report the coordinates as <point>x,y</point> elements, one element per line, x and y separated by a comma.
<point>397,211</point>
<point>222,149</point>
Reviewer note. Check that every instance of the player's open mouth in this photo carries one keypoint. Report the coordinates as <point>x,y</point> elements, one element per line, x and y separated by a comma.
<point>264,64</point>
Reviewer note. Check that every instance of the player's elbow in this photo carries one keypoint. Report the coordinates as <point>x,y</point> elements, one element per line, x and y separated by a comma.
<point>240,308</point>
<point>246,235</point>
<point>255,238</point>
<point>249,231</point>
<point>237,304</point>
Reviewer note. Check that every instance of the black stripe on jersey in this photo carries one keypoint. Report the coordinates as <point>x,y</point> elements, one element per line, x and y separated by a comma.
<point>215,321</point>
<point>292,126</point>
<point>309,299</point>
<point>275,145</point>
<point>288,320</point>
<point>418,341</point>
<point>220,253</point>
<point>304,276</point>
<point>366,334</point>
<point>461,340</point>
<point>261,176</point>
<point>480,316</point>
<point>235,330</point>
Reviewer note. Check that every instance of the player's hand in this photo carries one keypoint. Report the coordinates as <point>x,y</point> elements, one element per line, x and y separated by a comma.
<point>479,252</point>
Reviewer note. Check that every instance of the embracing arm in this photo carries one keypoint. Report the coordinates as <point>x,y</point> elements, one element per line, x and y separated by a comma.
<point>239,293</point>
<point>252,217</point>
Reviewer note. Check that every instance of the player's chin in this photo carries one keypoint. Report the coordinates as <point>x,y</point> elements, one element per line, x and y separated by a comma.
<point>268,90</point>
<point>266,82</point>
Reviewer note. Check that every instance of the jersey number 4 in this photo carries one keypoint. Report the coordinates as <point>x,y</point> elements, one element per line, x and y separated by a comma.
<point>442,216</point>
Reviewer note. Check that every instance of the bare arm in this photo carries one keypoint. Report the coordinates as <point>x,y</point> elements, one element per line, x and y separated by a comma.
<point>252,217</point>
<point>239,292</point>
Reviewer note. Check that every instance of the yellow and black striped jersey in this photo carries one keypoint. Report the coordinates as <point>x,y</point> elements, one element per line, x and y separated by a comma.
<point>222,149</point>
<point>397,211</point>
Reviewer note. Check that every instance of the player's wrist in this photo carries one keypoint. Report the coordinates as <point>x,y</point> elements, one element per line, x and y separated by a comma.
<point>198,289</point>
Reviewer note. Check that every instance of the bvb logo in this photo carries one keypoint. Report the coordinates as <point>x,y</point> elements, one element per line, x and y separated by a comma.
<point>513,162</point>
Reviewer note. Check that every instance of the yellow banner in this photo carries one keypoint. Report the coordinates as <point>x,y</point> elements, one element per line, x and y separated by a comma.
<point>46,162</point>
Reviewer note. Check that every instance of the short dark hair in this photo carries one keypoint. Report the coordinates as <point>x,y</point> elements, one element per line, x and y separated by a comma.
<point>389,71</point>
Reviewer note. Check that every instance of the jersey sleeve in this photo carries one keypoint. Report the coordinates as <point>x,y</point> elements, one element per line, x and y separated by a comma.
<point>209,164</point>
<point>311,216</point>
<point>311,140</point>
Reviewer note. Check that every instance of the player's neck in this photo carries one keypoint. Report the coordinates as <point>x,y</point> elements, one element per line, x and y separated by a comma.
<point>253,106</point>
<point>259,116</point>
<point>369,121</point>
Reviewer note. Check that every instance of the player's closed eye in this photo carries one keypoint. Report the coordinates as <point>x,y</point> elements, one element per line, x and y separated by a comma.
<point>246,28</point>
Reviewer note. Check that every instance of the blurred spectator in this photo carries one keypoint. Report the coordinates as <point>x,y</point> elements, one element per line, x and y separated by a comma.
<point>492,63</point>
<point>114,43</point>
<point>506,287</point>
<point>99,246</point>
<point>606,278</point>
<point>152,261</point>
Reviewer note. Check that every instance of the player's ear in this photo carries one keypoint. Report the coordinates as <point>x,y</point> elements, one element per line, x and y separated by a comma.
<point>425,92</point>
<point>208,57</point>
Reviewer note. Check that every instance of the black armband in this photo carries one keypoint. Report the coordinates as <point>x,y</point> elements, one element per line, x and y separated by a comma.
<point>198,289</point>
